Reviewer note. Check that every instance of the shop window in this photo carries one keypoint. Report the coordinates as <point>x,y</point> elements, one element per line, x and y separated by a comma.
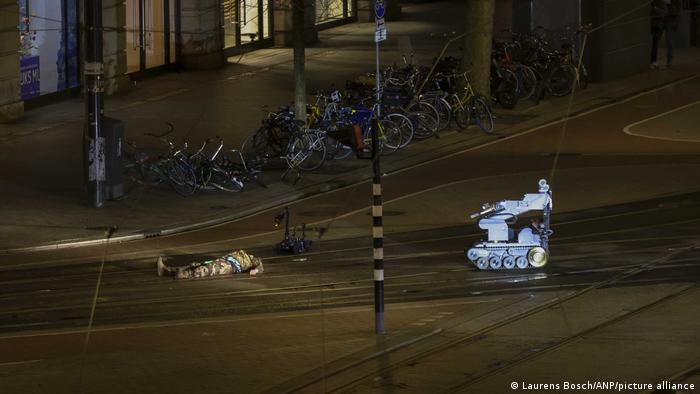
<point>245,21</point>
<point>330,10</point>
<point>150,34</point>
<point>48,34</point>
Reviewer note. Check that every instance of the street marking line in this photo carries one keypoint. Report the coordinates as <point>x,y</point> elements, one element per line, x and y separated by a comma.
<point>627,128</point>
<point>394,244</point>
<point>19,363</point>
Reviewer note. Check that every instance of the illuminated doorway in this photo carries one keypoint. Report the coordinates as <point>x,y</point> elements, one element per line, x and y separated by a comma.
<point>331,13</point>
<point>150,34</point>
<point>247,23</point>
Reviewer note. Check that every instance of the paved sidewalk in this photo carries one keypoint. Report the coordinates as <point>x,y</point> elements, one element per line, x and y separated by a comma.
<point>41,173</point>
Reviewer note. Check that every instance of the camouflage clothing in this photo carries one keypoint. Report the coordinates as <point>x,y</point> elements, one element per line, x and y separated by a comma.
<point>230,263</point>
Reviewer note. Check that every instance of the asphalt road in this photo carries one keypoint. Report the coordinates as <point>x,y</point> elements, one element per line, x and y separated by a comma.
<point>421,265</point>
<point>617,301</point>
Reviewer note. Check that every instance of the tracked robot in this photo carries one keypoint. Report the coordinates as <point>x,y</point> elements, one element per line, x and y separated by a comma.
<point>504,249</point>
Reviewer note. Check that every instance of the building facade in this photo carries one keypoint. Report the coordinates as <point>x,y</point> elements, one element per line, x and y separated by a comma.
<point>11,106</point>
<point>41,41</point>
<point>620,48</point>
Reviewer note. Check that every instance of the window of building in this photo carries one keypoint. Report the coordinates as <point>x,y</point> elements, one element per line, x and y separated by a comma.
<point>48,35</point>
<point>150,33</point>
<point>246,22</point>
<point>333,10</point>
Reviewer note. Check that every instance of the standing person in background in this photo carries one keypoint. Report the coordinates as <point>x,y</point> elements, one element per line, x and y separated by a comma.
<point>665,15</point>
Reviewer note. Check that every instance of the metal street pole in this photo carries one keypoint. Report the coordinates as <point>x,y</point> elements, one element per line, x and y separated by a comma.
<point>377,233</point>
<point>377,213</point>
<point>298,27</point>
<point>94,153</point>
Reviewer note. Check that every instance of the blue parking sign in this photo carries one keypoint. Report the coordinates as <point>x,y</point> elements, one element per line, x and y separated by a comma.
<point>379,9</point>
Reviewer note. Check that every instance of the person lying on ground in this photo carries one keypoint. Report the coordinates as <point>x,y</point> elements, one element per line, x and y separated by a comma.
<point>231,263</point>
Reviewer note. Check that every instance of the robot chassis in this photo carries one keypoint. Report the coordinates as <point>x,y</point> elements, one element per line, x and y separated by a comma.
<point>505,250</point>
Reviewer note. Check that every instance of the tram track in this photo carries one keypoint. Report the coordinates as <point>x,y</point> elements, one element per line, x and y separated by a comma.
<point>416,286</point>
<point>313,297</point>
<point>126,286</point>
<point>150,251</point>
<point>407,280</point>
<point>459,388</point>
<point>449,345</point>
<point>281,263</point>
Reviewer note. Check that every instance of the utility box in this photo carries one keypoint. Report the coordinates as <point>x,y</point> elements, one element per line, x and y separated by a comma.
<point>113,132</point>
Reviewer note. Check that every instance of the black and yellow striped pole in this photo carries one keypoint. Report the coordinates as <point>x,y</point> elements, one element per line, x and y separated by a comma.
<point>377,226</point>
<point>377,233</point>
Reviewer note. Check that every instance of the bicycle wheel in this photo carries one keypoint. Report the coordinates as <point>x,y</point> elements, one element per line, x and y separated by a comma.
<point>202,170</point>
<point>180,176</point>
<point>152,174</point>
<point>306,152</point>
<point>444,111</point>
<point>527,81</point>
<point>405,126</point>
<point>560,80</point>
<point>430,110</point>
<point>225,180</point>
<point>423,125</point>
<point>461,116</point>
<point>481,113</point>
<point>391,135</point>
<point>336,150</point>
<point>367,140</point>
<point>256,146</point>
<point>507,90</point>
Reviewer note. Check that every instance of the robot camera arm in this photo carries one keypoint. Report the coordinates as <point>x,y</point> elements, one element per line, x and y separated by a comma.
<point>487,209</point>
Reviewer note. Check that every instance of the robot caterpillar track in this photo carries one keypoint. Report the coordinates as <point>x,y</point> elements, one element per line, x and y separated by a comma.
<point>505,250</point>
<point>507,256</point>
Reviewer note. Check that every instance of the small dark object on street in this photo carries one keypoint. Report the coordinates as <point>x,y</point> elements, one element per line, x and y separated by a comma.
<point>291,244</point>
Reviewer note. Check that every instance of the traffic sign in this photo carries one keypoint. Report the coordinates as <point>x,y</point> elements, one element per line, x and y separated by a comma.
<point>379,9</point>
<point>380,27</point>
<point>379,35</point>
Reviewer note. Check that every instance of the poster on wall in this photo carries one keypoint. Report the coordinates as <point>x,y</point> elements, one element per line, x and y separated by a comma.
<point>48,42</point>
<point>29,64</point>
<point>29,77</point>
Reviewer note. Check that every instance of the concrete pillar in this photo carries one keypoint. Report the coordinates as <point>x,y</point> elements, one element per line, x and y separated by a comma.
<point>477,43</point>
<point>623,47</point>
<point>202,34</point>
<point>114,46</point>
<point>283,33</point>
<point>365,10</point>
<point>11,106</point>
